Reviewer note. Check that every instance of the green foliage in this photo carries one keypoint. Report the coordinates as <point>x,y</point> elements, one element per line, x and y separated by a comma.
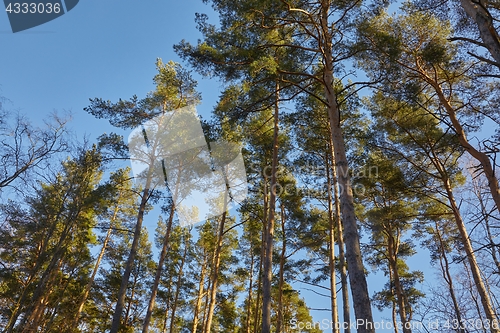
<point>49,240</point>
<point>296,316</point>
<point>267,53</point>
<point>175,88</point>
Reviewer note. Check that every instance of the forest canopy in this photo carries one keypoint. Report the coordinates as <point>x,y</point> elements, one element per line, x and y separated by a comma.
<point>355,143</point>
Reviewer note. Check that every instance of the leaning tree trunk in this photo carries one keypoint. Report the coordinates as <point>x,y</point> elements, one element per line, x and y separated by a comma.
<point>115,326</point>
<point>130,301</point>
<point>469,251</point>
<point>159,269</point>
<point>357,278</point>
<point>481,157</point>
<point>478,12</point>
<point>445,271</point>
<point>166,239</point>
<point>96,268</point>
<point>16,312</point>
<point>36,307</point>
<point>495,250</point>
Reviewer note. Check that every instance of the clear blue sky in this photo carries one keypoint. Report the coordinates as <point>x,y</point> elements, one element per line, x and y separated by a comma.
<point>104,48</point>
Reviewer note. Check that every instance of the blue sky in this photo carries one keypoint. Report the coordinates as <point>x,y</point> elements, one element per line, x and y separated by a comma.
<point>107,49</point>
<point>104,48</point>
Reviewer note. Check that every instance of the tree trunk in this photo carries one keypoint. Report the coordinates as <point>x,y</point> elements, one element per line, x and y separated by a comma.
<point>393,266</point>
<point>258,299</point>
<point>96,268</point>
<point>167,303</point>
<point>159,269</point>
<point>178,286</point>
<point>207,300</point>
<point>357,278</point>
<point>35,307</point>
<point>331,248</point>
<point>130,301</point>
<point>250,286</point>
<point>256,323</point>
<point>445,270</point>
<point>268,257</point>
<point>279,321</point>
<point>471,257</point>
<point>481,157</point>
<point>39,261</point>
<point>215,270</point>
<point>394,311</point>
<point>199,299</point>
<point>495,250</point>
<point>346,309</point>
<point>470,289</point>
<point>115,326</point>
<point>478,12</point>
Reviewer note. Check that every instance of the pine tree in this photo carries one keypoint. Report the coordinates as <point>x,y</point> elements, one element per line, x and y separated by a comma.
<point>50,256</point>
<point>175,89</point>
<point>309,36</point>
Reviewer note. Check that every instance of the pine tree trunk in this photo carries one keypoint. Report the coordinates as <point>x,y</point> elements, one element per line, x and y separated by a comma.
<point>36,305</point>
<point>479,13</point>
<point>250,287</point>
<point>178,287</point>
<point>66,326</point>
<point>471,257</point>
<point>279,322</point>
<point>167,303</point>
<point>130,301</point>
<point>346,309</point>
<point>96,268</point>
<point>481,157</point>
<point>115,326</point>
<point>357,278</point>
<point>165,321</point>
<point>495,250</point>
<point>445,270</point>
<point>207,300</point>
<point>199,299</point>
<point>258,298</point>
<point>393,266</point>
<point>39,261</point>
<point>268,257</point>
<point>36,316</point>
<point>159,269</point>
<point>331,249</point>
<point>215,271</point>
